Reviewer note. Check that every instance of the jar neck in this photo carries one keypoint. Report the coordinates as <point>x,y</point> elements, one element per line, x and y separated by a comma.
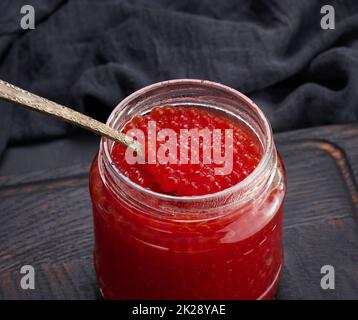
<point>203,94</point>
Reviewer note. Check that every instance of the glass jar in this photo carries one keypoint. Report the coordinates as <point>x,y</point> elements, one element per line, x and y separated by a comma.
<point>225,245</point>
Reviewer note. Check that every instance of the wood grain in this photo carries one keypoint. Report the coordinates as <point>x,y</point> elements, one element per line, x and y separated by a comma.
<point>45,221</point>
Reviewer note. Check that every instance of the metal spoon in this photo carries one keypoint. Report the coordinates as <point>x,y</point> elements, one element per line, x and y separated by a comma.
<point>29,100</point>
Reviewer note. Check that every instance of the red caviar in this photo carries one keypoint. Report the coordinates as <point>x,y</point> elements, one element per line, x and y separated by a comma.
<point>198,235</point>
<point>190,179</point>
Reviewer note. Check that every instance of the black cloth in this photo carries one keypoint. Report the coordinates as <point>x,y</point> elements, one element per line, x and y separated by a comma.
<point>90,54</point>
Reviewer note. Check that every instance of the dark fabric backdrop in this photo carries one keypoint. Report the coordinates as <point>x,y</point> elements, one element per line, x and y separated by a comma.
<point>90,54</point>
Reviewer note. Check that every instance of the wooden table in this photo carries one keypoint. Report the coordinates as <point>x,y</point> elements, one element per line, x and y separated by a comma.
<point>45,221</point>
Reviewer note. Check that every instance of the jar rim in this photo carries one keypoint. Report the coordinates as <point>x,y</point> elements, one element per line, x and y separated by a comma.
<point>259,170</point>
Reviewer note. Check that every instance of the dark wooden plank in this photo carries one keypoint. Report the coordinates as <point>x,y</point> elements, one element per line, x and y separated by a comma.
<point>24,160</point>
<point>45,226</point>
<point>43,176</point>
<point>45,221</point>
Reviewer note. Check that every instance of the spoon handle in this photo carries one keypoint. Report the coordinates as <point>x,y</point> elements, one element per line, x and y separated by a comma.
<point>27,99</point>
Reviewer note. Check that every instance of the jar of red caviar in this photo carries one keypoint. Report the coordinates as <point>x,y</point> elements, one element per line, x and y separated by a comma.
<point>221,245</point>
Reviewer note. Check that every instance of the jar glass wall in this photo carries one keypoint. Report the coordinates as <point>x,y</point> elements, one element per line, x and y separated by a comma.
<point>225,245</point>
